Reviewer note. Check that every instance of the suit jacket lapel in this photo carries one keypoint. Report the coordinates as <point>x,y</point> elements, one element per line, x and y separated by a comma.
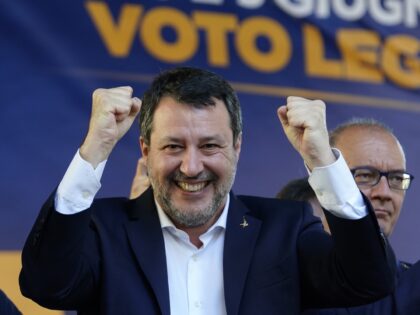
<point>241,235</point>
<point>146,239</point>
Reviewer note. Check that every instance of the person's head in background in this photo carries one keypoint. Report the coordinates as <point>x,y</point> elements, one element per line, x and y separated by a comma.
<point>300,190</point>
<point>377,161</point>
<point>140,180</point>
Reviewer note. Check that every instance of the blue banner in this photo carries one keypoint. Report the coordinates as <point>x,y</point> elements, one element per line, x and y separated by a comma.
<point>361,57</point>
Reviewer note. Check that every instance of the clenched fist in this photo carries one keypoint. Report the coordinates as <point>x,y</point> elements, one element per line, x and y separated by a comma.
<point>305,126</point>
<point>113,113</point>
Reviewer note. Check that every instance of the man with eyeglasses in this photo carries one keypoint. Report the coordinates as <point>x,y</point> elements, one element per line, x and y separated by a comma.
<point>377,162</point>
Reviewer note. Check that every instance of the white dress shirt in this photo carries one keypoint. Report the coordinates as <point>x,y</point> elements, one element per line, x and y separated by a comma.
<point>195,275</point>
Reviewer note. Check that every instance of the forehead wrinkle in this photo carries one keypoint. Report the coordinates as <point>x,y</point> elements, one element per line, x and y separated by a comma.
<point>174,139</point>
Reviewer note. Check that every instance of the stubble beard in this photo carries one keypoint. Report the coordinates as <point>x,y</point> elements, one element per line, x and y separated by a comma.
<point>191,217</point>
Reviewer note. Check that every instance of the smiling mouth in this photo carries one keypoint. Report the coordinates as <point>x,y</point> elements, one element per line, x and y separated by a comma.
<point>188,187</point>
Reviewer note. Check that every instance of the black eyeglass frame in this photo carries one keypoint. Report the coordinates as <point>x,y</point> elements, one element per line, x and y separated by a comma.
<point>386,174</point>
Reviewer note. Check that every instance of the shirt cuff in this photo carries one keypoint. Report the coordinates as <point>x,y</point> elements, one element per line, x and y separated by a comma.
<point>78,188</point>
<point>336,189</point>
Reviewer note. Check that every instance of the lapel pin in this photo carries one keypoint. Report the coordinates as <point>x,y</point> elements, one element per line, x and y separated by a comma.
<point>244,223</point>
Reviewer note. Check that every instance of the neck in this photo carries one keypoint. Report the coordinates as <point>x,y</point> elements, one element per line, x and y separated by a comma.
<point>195,232</point>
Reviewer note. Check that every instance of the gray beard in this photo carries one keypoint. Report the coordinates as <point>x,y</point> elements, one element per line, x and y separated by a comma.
<point>196,217</point>
<point>191,218</point>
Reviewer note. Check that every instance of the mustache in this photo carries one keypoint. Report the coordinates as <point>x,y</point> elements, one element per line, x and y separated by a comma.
<point>203,176</point>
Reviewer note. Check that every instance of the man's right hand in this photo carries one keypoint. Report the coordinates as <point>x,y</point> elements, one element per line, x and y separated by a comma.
<point>113,113</point>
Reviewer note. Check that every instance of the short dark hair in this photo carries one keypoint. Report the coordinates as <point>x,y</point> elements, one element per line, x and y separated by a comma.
<point>192,86</point>
<point>359,122</point>
<point>297,189</point>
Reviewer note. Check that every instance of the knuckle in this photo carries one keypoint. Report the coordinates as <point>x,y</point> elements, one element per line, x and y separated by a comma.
<point>125,89</point>
<point>320,103</point>
<point>97,93</point>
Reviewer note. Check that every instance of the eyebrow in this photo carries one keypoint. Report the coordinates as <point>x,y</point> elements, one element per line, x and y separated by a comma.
<point>371,167</point>
<point>215,137</point>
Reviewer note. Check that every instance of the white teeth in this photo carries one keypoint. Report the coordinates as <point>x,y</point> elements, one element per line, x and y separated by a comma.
<point>191,187</point>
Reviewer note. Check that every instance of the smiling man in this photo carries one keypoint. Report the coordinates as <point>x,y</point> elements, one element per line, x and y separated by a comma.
<point>191,188</point>
<point>189,245</point>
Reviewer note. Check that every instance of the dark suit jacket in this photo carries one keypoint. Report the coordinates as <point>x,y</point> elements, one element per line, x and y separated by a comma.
<point>110,259</point>
<point>6,306</point>
<point>405,300</point>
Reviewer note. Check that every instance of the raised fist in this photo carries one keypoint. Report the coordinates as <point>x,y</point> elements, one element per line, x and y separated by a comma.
<point>113,113</point>
<point>304,124</point>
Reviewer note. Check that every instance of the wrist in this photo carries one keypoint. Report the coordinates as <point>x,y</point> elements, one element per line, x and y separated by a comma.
<point>94,152</point>
<point>326,158</point>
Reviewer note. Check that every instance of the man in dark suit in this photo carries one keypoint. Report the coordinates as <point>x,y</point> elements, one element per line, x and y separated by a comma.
<point>378,164</point>
<point>370,147</point>
<point>188,245</point>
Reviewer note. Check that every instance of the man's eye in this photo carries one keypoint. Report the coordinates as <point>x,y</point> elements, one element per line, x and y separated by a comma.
<point>210,146</point>
<point>397,178</point>
<point>364,176</point>
<point>172,147</point>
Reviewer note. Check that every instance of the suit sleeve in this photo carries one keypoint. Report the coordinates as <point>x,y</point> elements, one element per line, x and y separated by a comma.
<point>404,301</point>
<point>407,293</point>
<point>353,266</point>
<point>60,260</point>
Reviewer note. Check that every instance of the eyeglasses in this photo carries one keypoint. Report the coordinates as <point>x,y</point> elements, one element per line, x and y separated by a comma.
<point>370,176</point>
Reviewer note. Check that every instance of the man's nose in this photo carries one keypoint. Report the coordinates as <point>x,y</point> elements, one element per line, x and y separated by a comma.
<point>192,162</point>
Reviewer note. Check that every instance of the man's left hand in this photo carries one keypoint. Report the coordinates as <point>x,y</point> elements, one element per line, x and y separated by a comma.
<point>304,124</point>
